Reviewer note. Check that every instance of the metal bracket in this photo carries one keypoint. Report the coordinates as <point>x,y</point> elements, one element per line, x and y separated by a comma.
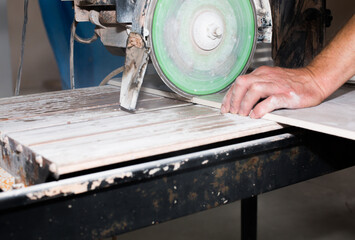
<point>137,56</point>
<point>135,66</point>
<point>125,10</point>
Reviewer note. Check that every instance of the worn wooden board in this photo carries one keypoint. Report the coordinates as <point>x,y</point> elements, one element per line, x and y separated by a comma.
<point>76,115</point>
<point>65,101</point>
<point>82,129</point>
<point>335,116</point>
<point>149,138</point>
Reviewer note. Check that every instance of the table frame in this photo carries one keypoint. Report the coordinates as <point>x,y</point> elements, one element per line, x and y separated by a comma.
<point>150,191</point>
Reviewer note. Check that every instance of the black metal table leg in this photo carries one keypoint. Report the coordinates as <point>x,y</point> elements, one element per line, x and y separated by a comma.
<point>249,218</point>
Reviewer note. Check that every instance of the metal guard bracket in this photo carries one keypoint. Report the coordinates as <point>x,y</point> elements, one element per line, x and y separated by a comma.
<point>135,66</point>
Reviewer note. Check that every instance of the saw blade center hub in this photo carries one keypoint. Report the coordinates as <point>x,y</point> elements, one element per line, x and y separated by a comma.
<point>208,30</point>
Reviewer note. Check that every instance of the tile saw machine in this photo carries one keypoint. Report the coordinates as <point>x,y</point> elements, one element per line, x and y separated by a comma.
<point>200,54</point>
<point>198,47</point>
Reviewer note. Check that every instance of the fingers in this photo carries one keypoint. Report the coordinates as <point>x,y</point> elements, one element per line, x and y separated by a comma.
<point>254,94</point>
<point>268,105</point>
<point>242,85</point>
<point>281,88</point>
<point>245,93</point>
<point>264,82</point>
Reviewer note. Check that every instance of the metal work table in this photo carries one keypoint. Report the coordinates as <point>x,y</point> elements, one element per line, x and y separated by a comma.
<point>94,171</point>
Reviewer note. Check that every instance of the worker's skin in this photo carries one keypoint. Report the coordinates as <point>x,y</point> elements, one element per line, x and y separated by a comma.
<point>295,88</point>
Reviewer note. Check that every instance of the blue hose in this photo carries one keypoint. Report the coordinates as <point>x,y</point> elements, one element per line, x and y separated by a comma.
<point>92,61</point>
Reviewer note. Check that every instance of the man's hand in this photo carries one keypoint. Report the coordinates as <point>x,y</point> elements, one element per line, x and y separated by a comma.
<point>295,88</point>
<point>277,87</point>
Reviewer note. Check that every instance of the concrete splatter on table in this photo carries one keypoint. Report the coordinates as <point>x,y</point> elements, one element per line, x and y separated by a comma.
<point>6,180</point>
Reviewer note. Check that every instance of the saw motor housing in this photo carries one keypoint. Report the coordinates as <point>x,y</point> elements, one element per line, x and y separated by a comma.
<point>125,28</point>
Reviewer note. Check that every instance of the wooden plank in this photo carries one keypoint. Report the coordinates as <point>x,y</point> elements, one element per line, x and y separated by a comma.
<point>101,126</point>
<point>88,131</point>
<point>63,94</point>
<point>30,107</point>
<point>22,124</point>
<point>148,140</point>
<point>336,116</point>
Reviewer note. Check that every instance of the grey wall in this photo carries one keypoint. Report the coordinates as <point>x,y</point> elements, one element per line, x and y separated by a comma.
<point>39,66</point>
<point>5,67</point>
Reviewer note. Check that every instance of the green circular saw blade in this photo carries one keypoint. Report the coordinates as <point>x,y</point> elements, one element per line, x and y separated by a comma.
<point>187,68</point>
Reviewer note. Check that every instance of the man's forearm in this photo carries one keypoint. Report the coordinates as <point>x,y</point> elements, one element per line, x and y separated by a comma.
<point>336,63</point>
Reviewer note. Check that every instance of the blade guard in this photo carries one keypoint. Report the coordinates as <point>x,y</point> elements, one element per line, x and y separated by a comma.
<point>135,66</point>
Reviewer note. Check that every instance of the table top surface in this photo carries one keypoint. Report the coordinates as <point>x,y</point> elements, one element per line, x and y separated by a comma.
<point>75,130</point>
